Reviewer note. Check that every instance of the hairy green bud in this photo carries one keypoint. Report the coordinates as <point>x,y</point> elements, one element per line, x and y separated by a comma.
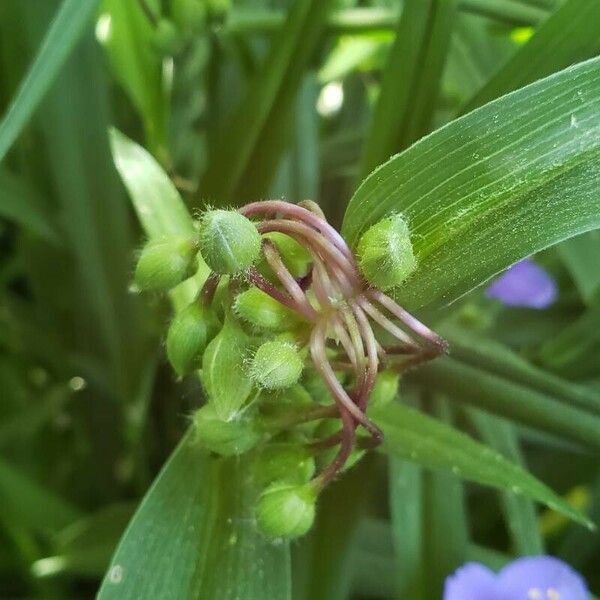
<point>276,365</point>
<point>259,309</point>
<point>223,374</point>
<point>229,242</point>
<point>189,333</point>
<point>385,253</point>
<point>286,510</point>
<point>165,262</point>
<point>385,388</point>
<point>287,462</point>
<point>227,438</point>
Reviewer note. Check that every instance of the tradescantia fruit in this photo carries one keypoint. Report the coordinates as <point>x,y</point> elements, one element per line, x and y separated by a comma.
<point>299,399</point>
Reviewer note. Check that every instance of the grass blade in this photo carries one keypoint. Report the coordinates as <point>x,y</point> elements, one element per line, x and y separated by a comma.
<point>66,30</point>
<point>411,435</point>
<point>499,184</point>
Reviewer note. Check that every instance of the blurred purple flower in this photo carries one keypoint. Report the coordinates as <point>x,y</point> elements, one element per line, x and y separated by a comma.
<point>528,578</point>
<point>524,284</point>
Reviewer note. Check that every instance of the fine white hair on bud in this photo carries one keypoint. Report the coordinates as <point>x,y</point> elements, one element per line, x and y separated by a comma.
<point>229,242</point>
<point>385,253</point>
<point>276,365</point>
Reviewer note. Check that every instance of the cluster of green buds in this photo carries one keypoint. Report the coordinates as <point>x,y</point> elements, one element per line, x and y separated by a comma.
<point>282,334</point>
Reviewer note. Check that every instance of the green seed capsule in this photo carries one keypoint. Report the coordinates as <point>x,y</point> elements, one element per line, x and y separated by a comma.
<point>385,253</point>
<point>276,365</point>
<point>260,310</point>
<point>165,262</point>
<point>385,388</point>
<point>223,374</point>
<point>227,438</point>
<point>189,333</point>
<point>285,462</point>
<point>286,510</point>
<point>229,242</point>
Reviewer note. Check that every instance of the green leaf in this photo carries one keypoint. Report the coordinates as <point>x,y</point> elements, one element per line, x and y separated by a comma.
<point>138,66</point>
<point>569,36</point>
<point>20,204</point>
<point>411,435</point>
<point>464,383</point>
<point>67,28</point>
<point>573,352</point>
<point>410,80</point>
<point>489,355</point>
<point>194,536</point>
<point>86,546</point>
<point>155,198</point>
<point>519,511</point>
<point>22,500</point>
<point>429,524</point>
<point>250,146</point>
<point>490,188</point>
<point>157,203</point>
<point>581,256</point>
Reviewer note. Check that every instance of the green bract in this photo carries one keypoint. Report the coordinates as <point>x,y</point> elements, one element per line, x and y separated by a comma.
<point>165,262</point>
<point>227,438</point>
<point>229,242</point>
<point>276,365</point>
<point>223,375</point>
<point>189,333</point>
<point>260,310</point>
<point>286,510</point>
<point>385,253</point>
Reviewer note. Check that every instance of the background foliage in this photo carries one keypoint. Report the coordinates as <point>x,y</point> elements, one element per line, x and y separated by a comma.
<point>226,102</point>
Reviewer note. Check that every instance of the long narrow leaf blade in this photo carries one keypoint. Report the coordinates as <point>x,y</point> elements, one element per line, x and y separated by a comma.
<point>503,182</point>
<point>67,28</point>
<point>194,536</point>
<point>411,435</point>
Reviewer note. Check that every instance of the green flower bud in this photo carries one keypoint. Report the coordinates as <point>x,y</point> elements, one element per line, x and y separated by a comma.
<point>385,253</point>
<point>229,242</point>
<point>286,510</point>
<point>327,428</point>
<point>227,438</point>
<point>189,333</point>
<point>166,38</point>
<point>295,256</point>
<point>285,462</point>
<point>385,388</point>
<point>276,365</point>
<point>259,309</point>
<point>165,262</point>
<point>223,374</point>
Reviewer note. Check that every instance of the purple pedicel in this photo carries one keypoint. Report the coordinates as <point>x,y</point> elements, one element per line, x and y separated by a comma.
<point>528,578</point>
<point>524,284</point>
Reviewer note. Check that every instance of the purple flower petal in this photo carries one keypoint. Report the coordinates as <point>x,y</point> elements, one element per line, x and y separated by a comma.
<point>541,578</point>
<point>524,284</point>
<point>471,582</point>
<point>528,578</point>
